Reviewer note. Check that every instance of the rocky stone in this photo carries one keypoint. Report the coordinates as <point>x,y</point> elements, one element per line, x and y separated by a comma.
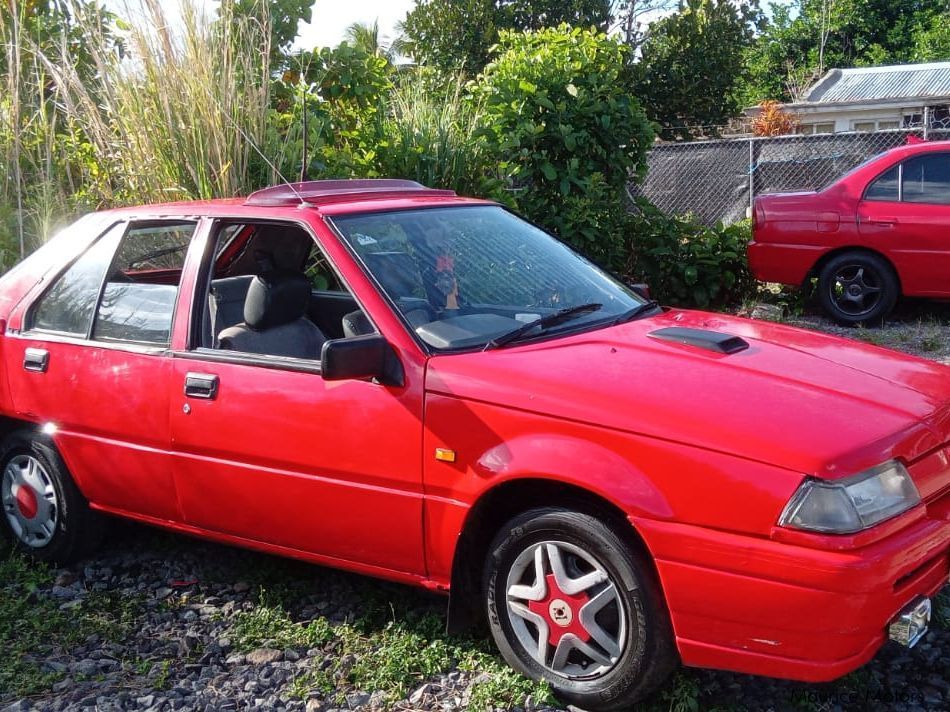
<point>264,656</point>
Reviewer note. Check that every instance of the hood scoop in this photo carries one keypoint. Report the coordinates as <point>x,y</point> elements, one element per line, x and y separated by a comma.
<point>701,338</point>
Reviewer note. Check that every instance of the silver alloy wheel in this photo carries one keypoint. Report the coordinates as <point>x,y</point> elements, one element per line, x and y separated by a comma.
<point>29,501</point>
<point>566,611</point>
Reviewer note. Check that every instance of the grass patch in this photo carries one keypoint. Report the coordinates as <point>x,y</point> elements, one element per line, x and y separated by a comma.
<point>269,625</point>
<point>33,628</point>
<point>394,657</point>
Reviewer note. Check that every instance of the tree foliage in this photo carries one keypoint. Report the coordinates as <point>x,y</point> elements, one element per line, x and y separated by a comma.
<point>805,39</point>
<point>566,132</point>
<point>691,63</point>
<point>453,34</point>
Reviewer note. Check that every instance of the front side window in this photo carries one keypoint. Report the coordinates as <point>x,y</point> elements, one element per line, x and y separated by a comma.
<point>462,276</point>
<point>926,179</point>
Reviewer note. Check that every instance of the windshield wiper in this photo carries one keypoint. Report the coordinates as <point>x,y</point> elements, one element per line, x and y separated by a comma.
<point>636,312</point>
<point>549,320</point>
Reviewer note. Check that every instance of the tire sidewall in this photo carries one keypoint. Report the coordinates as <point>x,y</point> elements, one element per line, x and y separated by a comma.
<point>886,275</point>
<point>64,540</point>
<point>603,545</point>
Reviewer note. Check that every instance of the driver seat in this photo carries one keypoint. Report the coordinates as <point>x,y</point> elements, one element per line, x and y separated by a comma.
<point>274,318</point>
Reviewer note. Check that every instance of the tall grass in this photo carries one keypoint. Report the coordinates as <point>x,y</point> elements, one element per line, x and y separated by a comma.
<point>431,134</point>
<point>103,112</point>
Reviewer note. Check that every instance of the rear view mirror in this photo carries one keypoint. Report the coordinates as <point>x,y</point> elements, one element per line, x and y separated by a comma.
<point>641,289</point>
<point>360,357</point>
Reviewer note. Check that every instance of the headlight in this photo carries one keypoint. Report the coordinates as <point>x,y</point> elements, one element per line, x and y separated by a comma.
<point>852,504</point>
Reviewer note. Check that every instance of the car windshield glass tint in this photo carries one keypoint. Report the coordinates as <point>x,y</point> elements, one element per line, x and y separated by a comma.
<point>463,275</point>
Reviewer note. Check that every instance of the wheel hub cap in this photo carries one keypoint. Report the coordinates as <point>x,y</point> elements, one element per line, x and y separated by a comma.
<point>29,501</point>
<point>856,290</point>
<point>566,611</point>
<point>26,501</point>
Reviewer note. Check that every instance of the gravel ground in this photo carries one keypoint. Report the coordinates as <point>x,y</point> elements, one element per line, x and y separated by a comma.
<point>159,622</point>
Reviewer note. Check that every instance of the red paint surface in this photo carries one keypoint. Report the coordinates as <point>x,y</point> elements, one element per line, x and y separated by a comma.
<point>700,451</point>
<point>26,501</point>
<point>569,623</point>
<point>793,231</point>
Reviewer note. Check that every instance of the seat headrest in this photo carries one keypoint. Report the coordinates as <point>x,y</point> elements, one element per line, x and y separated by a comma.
<point>276,297</point>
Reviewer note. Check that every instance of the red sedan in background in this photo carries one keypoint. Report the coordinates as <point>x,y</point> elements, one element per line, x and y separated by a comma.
<point>879,232</point>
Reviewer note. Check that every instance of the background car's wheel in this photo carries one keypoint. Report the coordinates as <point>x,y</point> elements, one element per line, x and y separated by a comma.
<point>570,602</point>
<point>43,512</point>
<point>858,287</point>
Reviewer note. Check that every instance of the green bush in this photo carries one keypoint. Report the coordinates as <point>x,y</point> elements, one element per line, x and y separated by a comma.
<point>566,133</point>
<point>689,264</point>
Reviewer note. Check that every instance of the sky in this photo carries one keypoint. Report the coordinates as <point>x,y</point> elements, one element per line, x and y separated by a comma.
<point>332,17</point>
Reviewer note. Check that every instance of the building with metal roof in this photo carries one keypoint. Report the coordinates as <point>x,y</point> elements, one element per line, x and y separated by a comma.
<point>876,99</point>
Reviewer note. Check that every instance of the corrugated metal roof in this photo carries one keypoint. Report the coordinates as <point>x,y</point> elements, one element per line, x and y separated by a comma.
<point>870,84</point>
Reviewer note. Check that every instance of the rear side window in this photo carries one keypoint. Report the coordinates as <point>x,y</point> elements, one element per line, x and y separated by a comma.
<point>927,179</point>
<point>68,306</point>
<point>139,293</point>
<point>123,288</point>
<point>886,188</point>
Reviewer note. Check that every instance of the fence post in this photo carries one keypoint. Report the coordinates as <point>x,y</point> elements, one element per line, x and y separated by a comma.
<point>751,176</point>
<point>926,123</point>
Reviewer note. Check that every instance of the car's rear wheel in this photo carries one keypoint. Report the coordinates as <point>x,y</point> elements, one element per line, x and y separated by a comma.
<point>570,602</point>
<point>43,513</point>
<point>858,288</point>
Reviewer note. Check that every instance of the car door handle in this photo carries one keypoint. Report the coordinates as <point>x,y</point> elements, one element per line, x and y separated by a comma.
<point>36,360</point>
<point>887,222</point>
<point>201,385</point>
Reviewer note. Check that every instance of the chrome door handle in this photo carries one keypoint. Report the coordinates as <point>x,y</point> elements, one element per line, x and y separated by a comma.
<point>36,360</point>
<point>201,385</point>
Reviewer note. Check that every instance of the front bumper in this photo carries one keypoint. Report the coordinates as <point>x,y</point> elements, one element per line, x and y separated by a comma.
<point>769,608</point>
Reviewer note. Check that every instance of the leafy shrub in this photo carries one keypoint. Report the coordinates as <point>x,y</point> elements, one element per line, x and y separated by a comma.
<point>689,264</point>
<point>566,132</point>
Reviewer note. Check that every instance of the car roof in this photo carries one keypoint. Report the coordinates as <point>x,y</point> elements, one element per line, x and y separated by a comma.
<point>909,149</point>
<point>329,197</point>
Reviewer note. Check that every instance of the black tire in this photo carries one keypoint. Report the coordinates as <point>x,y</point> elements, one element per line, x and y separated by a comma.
<point>648,654</point>
<point>76,530</point>
<point>858,288</point>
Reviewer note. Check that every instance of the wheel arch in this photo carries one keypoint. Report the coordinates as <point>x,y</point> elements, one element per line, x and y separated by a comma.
<point>820,263</point>
<point>498,505</point>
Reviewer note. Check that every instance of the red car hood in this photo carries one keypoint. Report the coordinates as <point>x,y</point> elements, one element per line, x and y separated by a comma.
<point>797,399</point>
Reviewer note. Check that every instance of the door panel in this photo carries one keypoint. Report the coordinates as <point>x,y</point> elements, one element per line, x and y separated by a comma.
<point>906,215</point>
<point>917,239</point>
<point>286,458</point>
<point>112,433</point>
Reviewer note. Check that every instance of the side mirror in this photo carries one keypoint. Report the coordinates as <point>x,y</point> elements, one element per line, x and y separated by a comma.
<point>360,357</point>
<point>641,289</point>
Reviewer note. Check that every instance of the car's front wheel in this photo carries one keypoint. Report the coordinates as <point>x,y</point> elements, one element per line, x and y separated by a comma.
<point>44,514</point>
<point>858,288</point>
<point>570,602</point>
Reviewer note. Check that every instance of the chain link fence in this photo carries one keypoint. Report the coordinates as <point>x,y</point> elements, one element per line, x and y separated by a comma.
<point>715,181</point>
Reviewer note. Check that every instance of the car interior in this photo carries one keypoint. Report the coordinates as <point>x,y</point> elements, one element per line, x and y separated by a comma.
<point>273,293</point>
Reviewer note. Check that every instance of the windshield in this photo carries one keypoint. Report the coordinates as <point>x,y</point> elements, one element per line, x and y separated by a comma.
<point>463,275</point>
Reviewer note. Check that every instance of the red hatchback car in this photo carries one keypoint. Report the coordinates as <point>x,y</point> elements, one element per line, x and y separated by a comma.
<point>398,381</point>
<point>879,232</point>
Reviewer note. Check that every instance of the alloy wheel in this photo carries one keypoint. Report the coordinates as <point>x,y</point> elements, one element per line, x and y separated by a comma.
<point>856,289</point>
<point>566,610</point>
